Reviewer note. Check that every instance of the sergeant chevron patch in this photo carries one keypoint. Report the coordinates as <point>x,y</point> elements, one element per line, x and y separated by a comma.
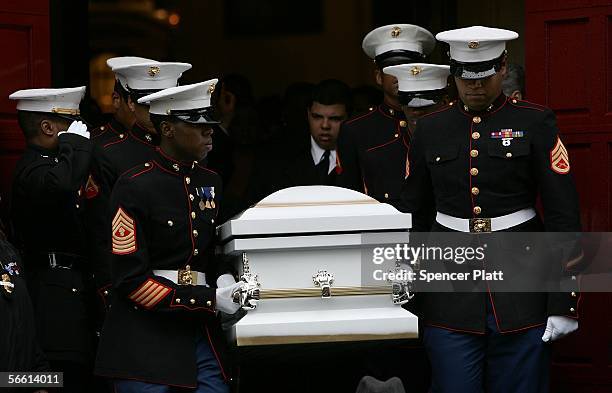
<point>150,293</point>
<point>124,233</point>
<point>91,188</point>
<point>559,159</point>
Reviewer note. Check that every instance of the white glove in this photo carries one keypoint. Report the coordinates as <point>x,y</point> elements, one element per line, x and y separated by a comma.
<point>225,280</point>
<point>557,327</point>
<point>77,128</point>
<point>225,298</point>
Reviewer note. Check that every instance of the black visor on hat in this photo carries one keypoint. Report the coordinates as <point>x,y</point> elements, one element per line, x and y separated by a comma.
<point>138,94</point>
<point>479,70</point>
<point>398,56</point>
<point>405,97</point>
<point>196,116</point>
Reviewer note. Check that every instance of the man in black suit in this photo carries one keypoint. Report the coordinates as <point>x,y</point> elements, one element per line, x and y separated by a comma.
<point>312,162</point>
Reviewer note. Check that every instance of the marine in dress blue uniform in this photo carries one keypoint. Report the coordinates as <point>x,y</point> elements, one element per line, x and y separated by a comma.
<point>162,331</point>
<point>372,147</point>
<point>47,198</point>
<point>478,166</point>
<point>114,155</point>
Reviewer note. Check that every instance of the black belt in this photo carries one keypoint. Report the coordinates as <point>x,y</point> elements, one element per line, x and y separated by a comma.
<point>61,260</point>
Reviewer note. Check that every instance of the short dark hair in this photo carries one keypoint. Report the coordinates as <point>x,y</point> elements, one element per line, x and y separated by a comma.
<point>29,122</point>
<point>158,119</point>
<point>332,92</point>
<point>514,79</point>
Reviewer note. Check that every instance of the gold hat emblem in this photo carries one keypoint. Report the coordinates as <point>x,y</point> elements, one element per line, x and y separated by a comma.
<point>473,44</point>
<point>153,71</point>
<point>416,70</point>
<point>211,88</point>
<point>395,32</point>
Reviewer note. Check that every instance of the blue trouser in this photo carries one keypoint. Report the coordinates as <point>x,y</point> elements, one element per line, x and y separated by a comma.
<point>493,362</point>
<point>210,379</point>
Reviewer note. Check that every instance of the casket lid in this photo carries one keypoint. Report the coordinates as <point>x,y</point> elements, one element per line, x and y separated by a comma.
<point>315,209</point>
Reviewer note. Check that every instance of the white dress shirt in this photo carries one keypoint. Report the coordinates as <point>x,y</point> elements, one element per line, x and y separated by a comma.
<point>317,155</point>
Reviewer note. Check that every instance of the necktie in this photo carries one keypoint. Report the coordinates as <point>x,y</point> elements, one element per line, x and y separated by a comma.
<point>322,168</point>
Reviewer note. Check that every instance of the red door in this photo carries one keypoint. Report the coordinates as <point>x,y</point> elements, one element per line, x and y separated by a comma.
<point>569,68</point>
<point>24,48</point>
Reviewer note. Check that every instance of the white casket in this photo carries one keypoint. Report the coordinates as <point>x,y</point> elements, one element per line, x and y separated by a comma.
<point>299,235</point>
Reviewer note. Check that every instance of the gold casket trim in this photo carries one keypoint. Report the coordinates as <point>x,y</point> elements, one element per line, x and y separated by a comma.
<point>316,292</point>
<point>268,205</point>
<point>274,340</point>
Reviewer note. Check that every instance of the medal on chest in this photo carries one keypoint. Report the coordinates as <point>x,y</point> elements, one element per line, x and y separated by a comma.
<point>507,135</point>
<point>207,197</point>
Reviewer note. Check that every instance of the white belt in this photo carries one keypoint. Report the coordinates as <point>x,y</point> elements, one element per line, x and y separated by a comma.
<point>486,224</point>
<point>183,277</point>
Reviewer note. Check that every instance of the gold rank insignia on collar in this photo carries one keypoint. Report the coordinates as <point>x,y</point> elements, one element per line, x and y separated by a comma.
<point>489,108</point>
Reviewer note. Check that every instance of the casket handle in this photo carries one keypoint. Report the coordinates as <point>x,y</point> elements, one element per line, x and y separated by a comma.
<point>248,296</point>
<point>401,288</point>
<point>324,280</point>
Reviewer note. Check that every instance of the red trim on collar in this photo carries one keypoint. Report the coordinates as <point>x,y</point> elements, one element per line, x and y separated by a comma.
<point>443,109</point>
<point>360,117</point>
<point>206,169</point>
<point>160,166</point>
<point>166,156</point>
<point>120,140</point>
<point>147,169</point>
<point>536,107</point>
<point>484,113</point>
<point>383,112</point>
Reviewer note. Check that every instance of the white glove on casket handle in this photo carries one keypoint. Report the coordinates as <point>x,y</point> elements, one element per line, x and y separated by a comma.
<point>225,292</point>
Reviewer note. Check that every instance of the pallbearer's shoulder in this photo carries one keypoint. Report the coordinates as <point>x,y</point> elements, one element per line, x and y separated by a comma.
<point>362,117</point>
<point>526,105</point>
<point>139,173</point>
<point>208,173</point>
<point>444,113</point>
